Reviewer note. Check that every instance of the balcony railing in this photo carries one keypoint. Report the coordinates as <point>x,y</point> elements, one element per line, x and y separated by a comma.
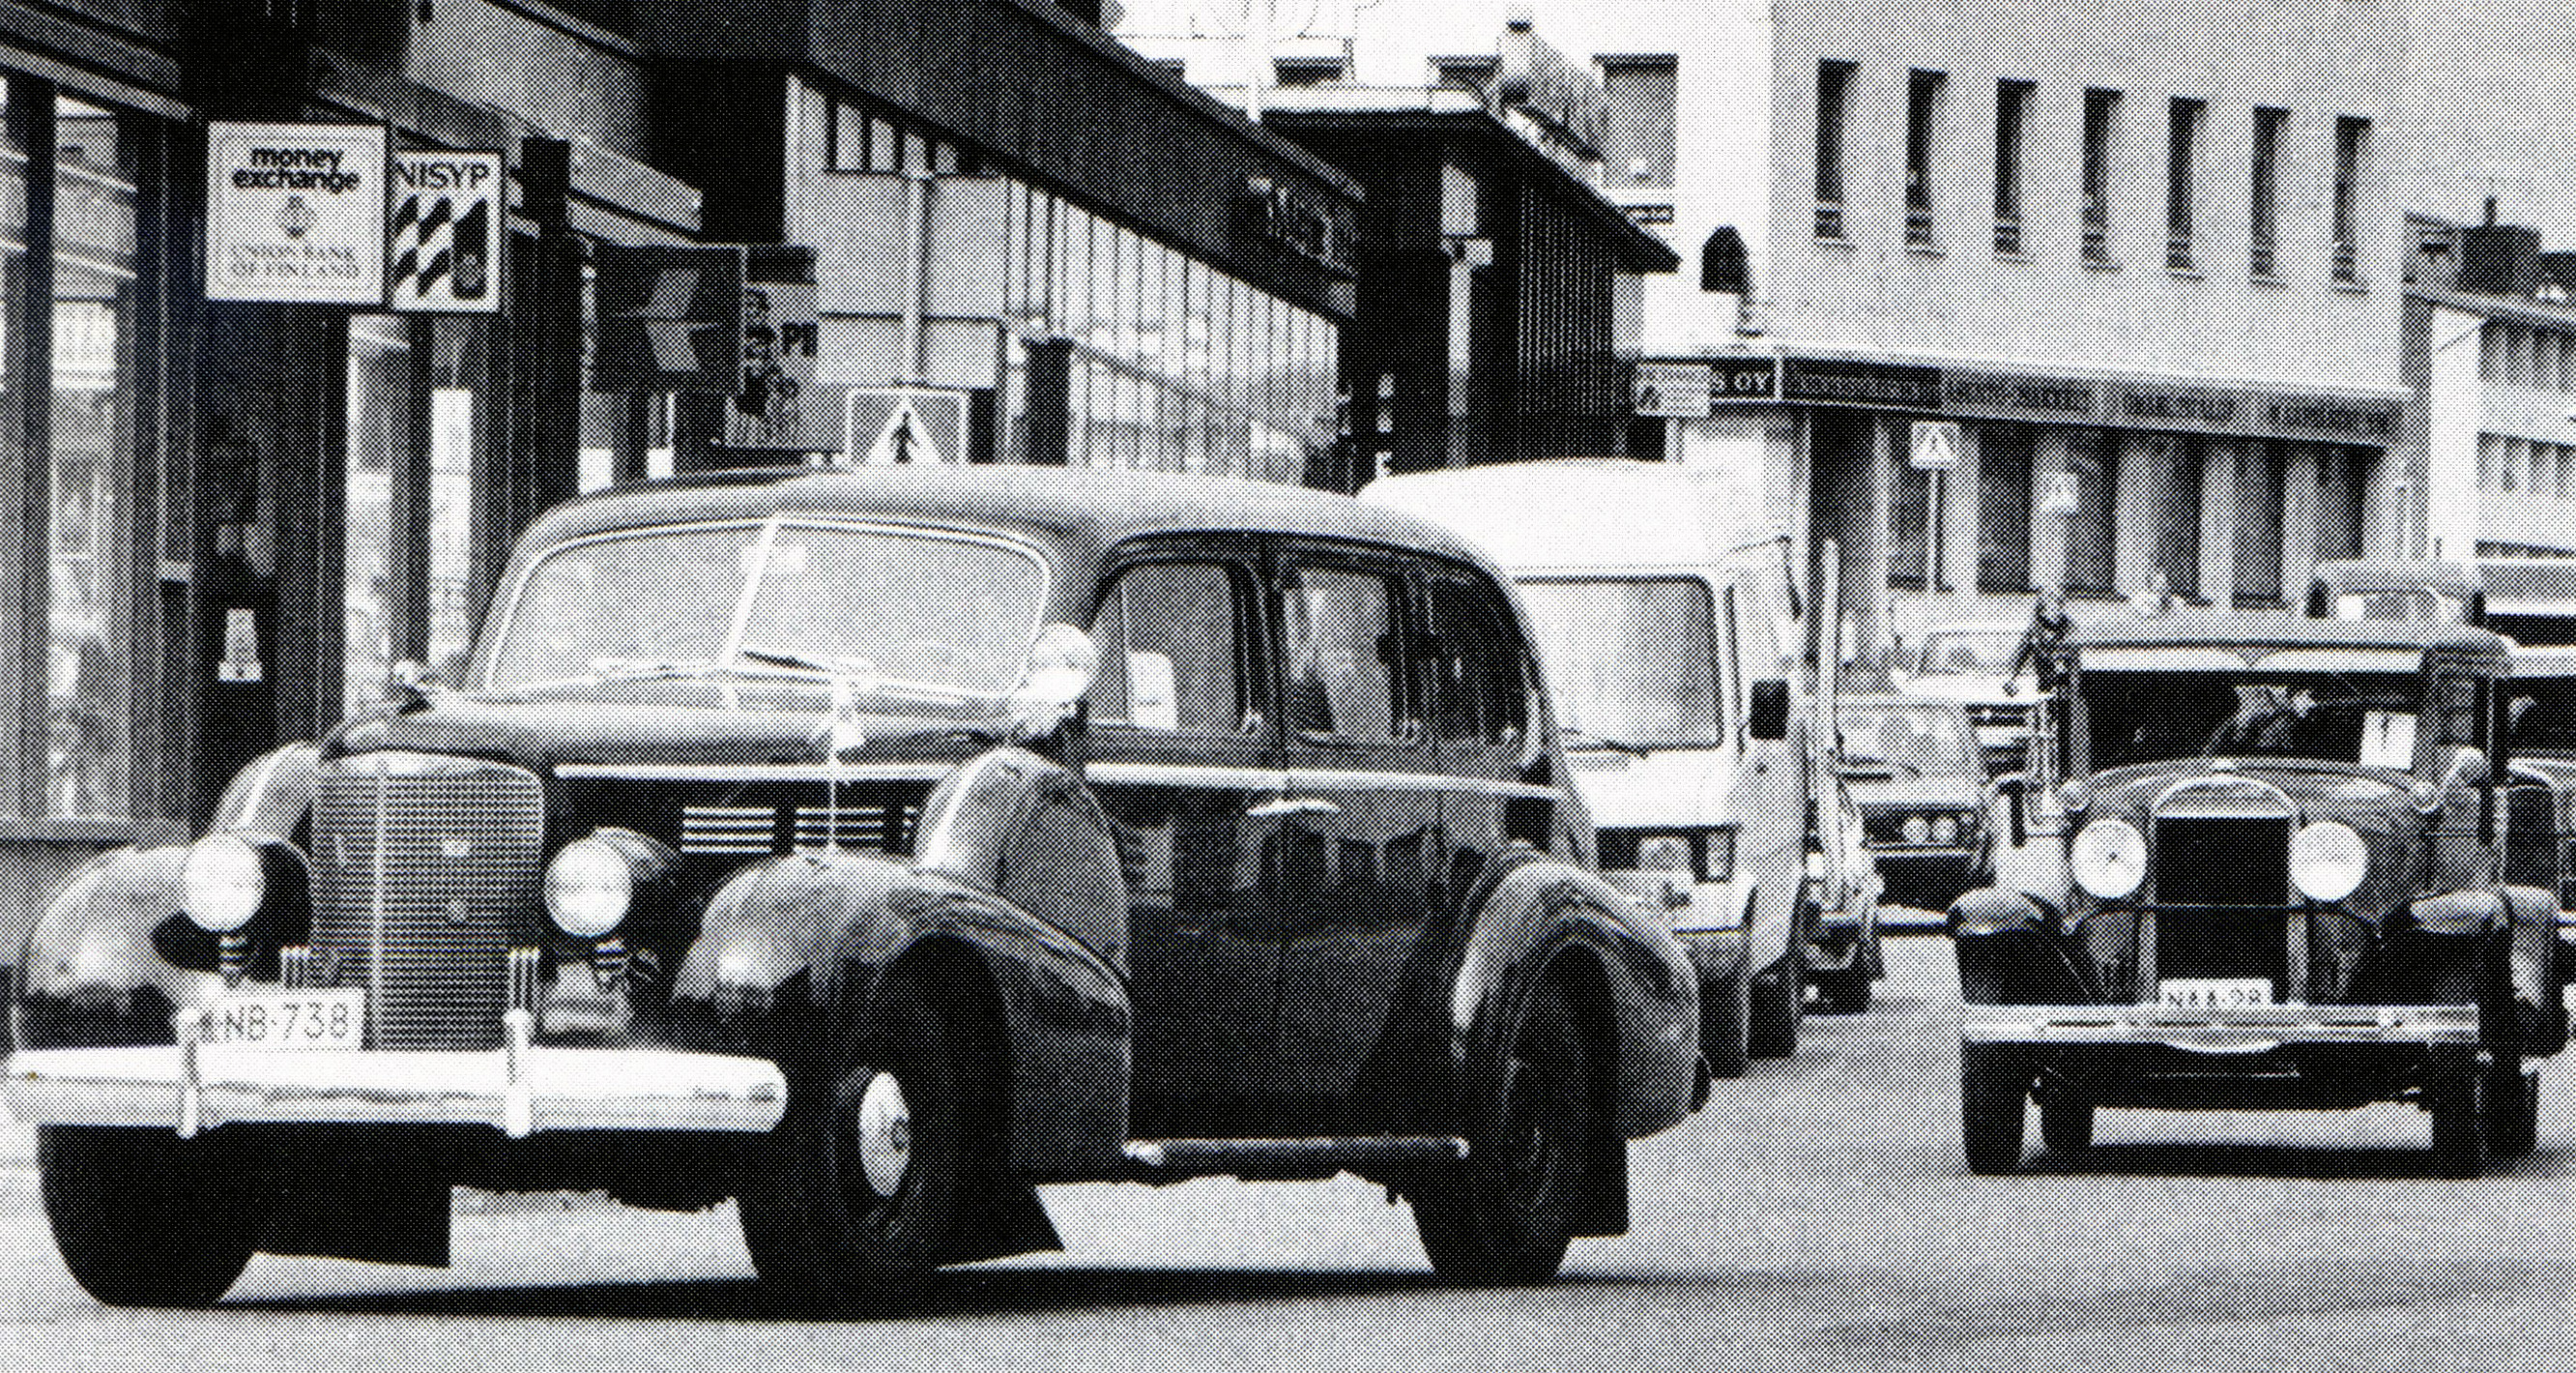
<point>2263,260</point>
<point>2347,266</point>
<point>2008,234</point>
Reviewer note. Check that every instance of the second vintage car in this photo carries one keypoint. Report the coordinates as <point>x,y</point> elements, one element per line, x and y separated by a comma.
<point>2280,882</point>
<point>871,847</point>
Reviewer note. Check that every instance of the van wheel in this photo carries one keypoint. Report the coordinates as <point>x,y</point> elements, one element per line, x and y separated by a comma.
<point>849,1203</point>
<point>1725,1010</point>
<point>2457,1101</point>
<point>1779,1003</point>
<point>1505,1213</point>
<point>1994,1093</point>
<point>2065,1124</point>
<point>145,1218</point>
<point>2513,1110</point>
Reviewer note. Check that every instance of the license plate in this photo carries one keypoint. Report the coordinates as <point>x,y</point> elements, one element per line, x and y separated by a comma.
<point>2213,993</point>
<point>333,1019</point>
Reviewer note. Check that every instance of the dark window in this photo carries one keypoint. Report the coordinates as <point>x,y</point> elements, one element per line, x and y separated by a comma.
<point>2101,125</point>
<point>2343,481</point>
<point>2352,145</point>
<point>1909,527</point>
<point>2264,219</point>
<point>1833,106</point>
<point>2258,525</point>
<point>1722,262</point>
<point>1637,150</point>
<point>2093,531</point>
<point>1923,97</point>
<point>2003,508</point>
<point>2182,158</point>
<point>2177,545</point>
<point>2012,117</point>
<point>1171,651</point>
<point>1337,632</point>
<point>1482,691</point>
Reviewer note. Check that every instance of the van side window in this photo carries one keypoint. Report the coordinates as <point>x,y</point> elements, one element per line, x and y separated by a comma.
<point>1483,689</point>
<point>1338,639</point>
<point>1171,652</point>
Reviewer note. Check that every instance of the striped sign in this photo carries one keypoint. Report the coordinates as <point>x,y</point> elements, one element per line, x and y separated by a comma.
<point>443,243</point>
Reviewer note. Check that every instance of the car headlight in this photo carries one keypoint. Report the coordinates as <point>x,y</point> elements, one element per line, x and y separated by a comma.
<point>1666,853</point>
<point>2328,861</point>
<point>1916,830</point>
<point>1945,830</point>
<point>223,883</point>
<point>589,887</point>
<point>2109,858</point>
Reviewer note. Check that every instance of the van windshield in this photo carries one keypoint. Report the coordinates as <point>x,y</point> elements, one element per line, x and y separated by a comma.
<point>1633,661</point>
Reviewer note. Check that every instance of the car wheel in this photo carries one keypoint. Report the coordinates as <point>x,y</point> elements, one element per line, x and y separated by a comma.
<point>1845,992</point>
<point>851,1200</point>
<point>2513,1110</point>
<point>1726,1008</point>
<point>145,1218</point>
<point>2064,1124</point>
<point>1994,1091</point>
<point>1505,1213</point>
<point>2457,1101</point>
<point>1779,1003</point>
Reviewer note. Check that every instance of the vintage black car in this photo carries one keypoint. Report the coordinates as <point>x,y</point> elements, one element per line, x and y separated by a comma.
<point>2278,879</point>
<point>869,847</point>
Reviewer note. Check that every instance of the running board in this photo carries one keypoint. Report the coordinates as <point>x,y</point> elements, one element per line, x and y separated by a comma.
<point>1160,1161</point>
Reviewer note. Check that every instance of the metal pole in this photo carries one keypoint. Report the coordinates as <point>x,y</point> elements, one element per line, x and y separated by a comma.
<point>916,275</point>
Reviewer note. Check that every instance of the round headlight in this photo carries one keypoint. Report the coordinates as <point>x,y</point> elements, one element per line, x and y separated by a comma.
<point>2328,861</point>
<point>1945,830</point>
<point>589,887</point>
<point>1916,830</point>
<point>222,883</point>
<point>2109,858</point>
<point>1664,853</point>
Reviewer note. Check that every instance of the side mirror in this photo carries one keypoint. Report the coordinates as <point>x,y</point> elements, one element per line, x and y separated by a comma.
<point>1769,716</point>
<point>2014,787</point>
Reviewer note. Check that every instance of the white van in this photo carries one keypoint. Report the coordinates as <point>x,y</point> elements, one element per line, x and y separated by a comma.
<point>1664,607</point>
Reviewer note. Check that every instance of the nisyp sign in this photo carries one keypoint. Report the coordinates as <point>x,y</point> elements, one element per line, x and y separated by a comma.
<point>444,247</point>
<point>296,213</point>
<point>670,319</point>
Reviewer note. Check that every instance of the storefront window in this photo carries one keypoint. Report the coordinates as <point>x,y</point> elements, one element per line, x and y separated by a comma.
<point>2092,533</point>
<point>379,413</point>
<point>2177,532</point>
<point>2003,508</point>
<point>2258,525</point>
<point>89,662</point>
<point>1909,526</point>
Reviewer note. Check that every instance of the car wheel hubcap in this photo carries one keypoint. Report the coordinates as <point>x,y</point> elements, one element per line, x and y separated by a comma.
<point>885,1134</point>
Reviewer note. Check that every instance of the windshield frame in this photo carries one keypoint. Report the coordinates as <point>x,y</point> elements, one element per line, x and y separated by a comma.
<point>2078,692</point>
<point>728,657</point>
<point>2009,638</point>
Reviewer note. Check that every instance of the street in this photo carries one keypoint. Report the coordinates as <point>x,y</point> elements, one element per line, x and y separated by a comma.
<point>1815,1216</point>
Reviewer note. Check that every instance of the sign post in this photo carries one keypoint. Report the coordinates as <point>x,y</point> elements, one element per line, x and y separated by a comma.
<point>1935,450</point>
<point>295,213</point>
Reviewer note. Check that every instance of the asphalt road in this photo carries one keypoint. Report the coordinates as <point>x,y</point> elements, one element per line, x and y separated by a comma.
<point>1814,1217</point>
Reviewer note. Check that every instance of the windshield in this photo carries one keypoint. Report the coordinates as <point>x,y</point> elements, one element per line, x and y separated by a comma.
<point>1908,743</point>
<point>1989,651</point>
<point>1634,662</point>
<point>2368,718</point>
<point>895,611</point>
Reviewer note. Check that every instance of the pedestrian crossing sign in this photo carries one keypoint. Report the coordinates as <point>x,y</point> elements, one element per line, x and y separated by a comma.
<point>1936,446</point>
<point>904,426</point>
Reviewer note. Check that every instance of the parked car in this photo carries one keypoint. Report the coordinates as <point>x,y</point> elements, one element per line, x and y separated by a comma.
<point>2285,887</point>
<point>870,847</point>
<point>1977,665</point>
<point>1916,775</point>
<point>1663,617</point>
<point>2444,592</point>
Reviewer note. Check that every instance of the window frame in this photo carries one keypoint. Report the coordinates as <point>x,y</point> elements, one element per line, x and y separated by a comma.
<point>2100,148</point>
<point>1252,713</point>
<point>2263,212</point>
<point>2013,100</point>
<point>1834,81</point>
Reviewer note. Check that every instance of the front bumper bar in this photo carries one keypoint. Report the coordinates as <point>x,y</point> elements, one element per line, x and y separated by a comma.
<point>519,1089</point>
<point>2246,1030</point>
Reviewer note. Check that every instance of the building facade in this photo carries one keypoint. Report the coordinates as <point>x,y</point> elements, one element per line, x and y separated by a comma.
<point>2491,353</point>
<point>2134,289</point>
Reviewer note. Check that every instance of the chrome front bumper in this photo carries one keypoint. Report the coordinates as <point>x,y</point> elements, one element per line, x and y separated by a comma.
<point>519,1089</point>
<point>2249,1030</point>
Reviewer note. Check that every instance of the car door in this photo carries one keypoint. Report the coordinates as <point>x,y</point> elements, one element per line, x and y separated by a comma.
<point>1360,839</point>
<point>1184,755</point>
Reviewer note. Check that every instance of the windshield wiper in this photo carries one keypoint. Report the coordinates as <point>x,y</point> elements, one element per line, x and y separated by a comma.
<point>1865,764</point>
<point>648,669</point>
<point>1580,738</point>
<point>863,676</point>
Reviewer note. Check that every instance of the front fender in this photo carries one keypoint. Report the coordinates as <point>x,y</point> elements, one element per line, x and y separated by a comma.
<point>790,954</point>
<point>2011,953</point>
<point>2477,911</point>
<point>1541,917</point>
<point>90,974</point>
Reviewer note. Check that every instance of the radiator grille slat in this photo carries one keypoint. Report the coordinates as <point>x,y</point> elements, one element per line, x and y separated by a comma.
<point>2222,889</point>
<point>447,852</point>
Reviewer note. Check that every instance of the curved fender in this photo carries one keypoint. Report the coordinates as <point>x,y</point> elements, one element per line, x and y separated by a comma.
<point>833,925</point>
<point>90,974</point>
<point>1026,829</point>
<point>271,795</point>
<point>1531,913</point>
<point>2476,911</point>
<point>1997,910</point>
<point>2534,914</point>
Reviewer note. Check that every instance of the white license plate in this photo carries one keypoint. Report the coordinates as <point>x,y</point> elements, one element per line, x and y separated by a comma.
<point>2213,993</point>
<point>333,1019</point>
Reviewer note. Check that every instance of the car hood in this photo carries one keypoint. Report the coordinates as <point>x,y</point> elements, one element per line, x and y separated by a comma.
<point>1915,793</point>
<point>550,734</point>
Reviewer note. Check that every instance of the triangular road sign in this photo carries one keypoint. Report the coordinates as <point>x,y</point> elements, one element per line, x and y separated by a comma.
<point>905,439</point>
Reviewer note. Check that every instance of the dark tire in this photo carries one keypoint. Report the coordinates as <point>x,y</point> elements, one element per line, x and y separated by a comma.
<point>1725,1014</point>
<point>1994,1093</point>
<point>1779,1003</point>
<point>2065,1125</point>
<point>2457,1101</point>
<point>1845,992</point>
<point>850,1202</point>
<point>1505,1213</point>
<point>145,1218</point>
<point>2513,1111</point>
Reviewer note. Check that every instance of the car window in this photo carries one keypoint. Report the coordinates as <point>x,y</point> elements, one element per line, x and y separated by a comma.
<point>2368,718</point>
<point>1171,651</point>
<point>1914,743</point>
<point>1482,685</point>
<point>1987,652</point>
<point>1336,631</point>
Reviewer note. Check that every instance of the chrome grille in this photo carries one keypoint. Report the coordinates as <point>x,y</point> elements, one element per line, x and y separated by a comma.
<point>752,830</point>
<point>728,829</point>
<point>425,870</point>
<point>880,829</point>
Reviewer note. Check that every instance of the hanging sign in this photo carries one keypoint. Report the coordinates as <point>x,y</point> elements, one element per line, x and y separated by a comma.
<point>443,248</point>
<point>1670,390</point>
<point>296,213</point>
<point>776,405</point>
<point>240,662</point>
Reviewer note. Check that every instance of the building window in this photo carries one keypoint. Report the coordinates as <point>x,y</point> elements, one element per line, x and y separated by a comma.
<point>2093,531</point>
<point>1924,92</point>
<point>2352,145</point>
<point>2012,117</point>
<point>2003,508</point>
<point>860,140</point>
<point>2258,525</point>
<point>1638,146</point>
<point>1909,527</point>
<point>2182,157</point>
<point>1833,106</point>
<point>2177,532</point>
<point>2343,485</point>
<point>2101,123</point>
<point>2263,220</point>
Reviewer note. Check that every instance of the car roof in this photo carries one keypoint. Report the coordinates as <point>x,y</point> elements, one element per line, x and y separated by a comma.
<point>1585,514</point>
<point>1086,510</point>
<point>2398,574</point>
<point>2219,630</point>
